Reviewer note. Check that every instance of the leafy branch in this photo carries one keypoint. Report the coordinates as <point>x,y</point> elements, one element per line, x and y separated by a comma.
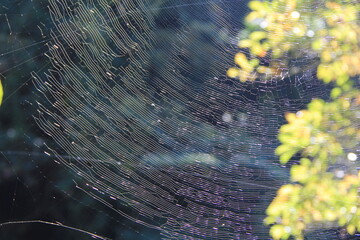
<point>326,132</point>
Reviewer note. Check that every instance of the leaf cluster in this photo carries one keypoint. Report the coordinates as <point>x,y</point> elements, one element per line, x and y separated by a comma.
<point>326,132</point>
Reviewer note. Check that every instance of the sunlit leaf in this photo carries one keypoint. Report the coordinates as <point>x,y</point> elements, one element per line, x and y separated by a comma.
<point>351,229</point>
<point>257,35</point>
<point>285,157</point>
<point>277,231</point>
<point>233,72</point>
<point>1,93</point>
<point>256,5</point>
<point>335,92</point>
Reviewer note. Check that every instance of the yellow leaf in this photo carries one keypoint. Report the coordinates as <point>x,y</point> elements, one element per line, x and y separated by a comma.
<point>299,173</point>
<point>256,5</point>
<point>257,35</point>
<point>350,229</point>
<point>286,138</point>
<point>305,161</point>
<point>316,104</point>
<point>342,79</point>
<point>317,44</point>
<point>290,117</point>
<point>336,92</point>
<point>316,214</point>
<point>282,149</point>
<point>245,43</point>
<point>324,73</point>
<point>286,189</point>
<point>242,61</point>
<point>254,62</point>
<point>330,215</point>
<point>269,220</point>
<point>257,50</point>
<point>252,16</point>
<point>1,92</point>
<point>277,231</point>
<point>285,157</point>
<point>233,72</point>
<point>326,56</point>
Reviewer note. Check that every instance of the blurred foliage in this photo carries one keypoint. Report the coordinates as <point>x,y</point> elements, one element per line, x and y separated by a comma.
<point>326,133</point>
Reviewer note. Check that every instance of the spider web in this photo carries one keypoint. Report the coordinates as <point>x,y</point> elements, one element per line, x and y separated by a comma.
<point>151,123</point>
<point>137,99</point>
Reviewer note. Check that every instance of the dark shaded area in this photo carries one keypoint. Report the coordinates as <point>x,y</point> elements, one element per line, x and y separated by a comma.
<point>43,190</point>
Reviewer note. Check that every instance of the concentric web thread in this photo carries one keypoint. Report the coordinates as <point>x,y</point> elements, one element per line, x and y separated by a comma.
<point>138,98</point>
